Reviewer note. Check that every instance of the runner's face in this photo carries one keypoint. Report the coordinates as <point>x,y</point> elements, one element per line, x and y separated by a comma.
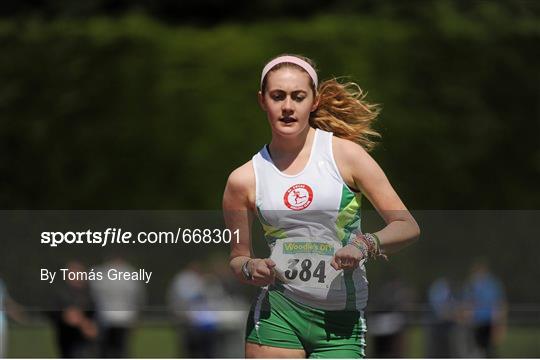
<point>288,100</point>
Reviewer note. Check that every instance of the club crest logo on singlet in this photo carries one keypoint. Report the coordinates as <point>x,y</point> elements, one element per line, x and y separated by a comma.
<point>298,197</point>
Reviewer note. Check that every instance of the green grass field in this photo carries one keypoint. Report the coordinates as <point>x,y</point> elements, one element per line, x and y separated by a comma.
<point>159,341</point>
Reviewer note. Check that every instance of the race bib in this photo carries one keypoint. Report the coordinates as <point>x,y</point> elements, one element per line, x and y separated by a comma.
<point>306,263</point>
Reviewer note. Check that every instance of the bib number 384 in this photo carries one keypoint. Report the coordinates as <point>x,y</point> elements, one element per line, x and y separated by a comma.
<point>306,263</point>
<point>305,270</point>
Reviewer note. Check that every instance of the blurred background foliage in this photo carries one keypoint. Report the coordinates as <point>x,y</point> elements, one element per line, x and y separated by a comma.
<point>151,104</point>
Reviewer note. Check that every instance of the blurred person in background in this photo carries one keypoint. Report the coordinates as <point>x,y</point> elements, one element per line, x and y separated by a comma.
<point>208,309</point>
<point>8,308</point>
<point>74,316</point>
<point>444,307</point>
<point>191,299</point>
<point>3,320</point>
<point>118,303</point>
<point>231,309</point>
<point>313,293</point>
<point>485,307</point>
<point>388,318</point>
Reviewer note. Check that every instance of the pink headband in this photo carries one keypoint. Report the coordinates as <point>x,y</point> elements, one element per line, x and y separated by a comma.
<point>293,60</point>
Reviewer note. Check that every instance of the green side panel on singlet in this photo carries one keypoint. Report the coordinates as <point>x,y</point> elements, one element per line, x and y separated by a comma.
<point>271,233</point>
<point>348,221</point>
<point>348,216</point>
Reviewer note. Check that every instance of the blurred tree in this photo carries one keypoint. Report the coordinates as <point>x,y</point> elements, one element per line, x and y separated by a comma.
<point>133,114</point>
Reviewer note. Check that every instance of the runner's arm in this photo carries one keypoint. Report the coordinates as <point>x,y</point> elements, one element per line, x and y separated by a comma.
<point>238,207</point>
<point>360,171</point>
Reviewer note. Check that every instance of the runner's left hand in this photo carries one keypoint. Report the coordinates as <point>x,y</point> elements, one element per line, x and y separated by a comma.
<point>347,258</point>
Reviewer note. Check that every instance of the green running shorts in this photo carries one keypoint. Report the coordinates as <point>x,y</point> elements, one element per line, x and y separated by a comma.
<point>275,320</point>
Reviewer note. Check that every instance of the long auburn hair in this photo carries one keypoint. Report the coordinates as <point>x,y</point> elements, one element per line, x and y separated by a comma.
<point>342,108</point>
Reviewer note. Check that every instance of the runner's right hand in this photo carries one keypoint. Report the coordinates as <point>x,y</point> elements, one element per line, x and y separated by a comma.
<point>262,271</point>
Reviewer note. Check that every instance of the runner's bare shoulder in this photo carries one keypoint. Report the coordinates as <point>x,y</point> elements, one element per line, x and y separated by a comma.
<point>240,189</point>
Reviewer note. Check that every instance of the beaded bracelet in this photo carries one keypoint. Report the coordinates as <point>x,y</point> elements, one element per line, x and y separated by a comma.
<point>369,245</point>
<point>360,245</point>
<point>376,246</point>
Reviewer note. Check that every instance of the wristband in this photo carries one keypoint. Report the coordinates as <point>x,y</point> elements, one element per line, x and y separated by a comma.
<point>360,245</point>
<point>246,271</point>
<point>369,245</point>
<point>374,245</point>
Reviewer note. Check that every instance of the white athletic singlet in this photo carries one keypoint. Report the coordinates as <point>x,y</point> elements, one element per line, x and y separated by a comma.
<point>306,218</point>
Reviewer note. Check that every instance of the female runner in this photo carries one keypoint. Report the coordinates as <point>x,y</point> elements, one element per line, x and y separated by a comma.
<point>305,188</point>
